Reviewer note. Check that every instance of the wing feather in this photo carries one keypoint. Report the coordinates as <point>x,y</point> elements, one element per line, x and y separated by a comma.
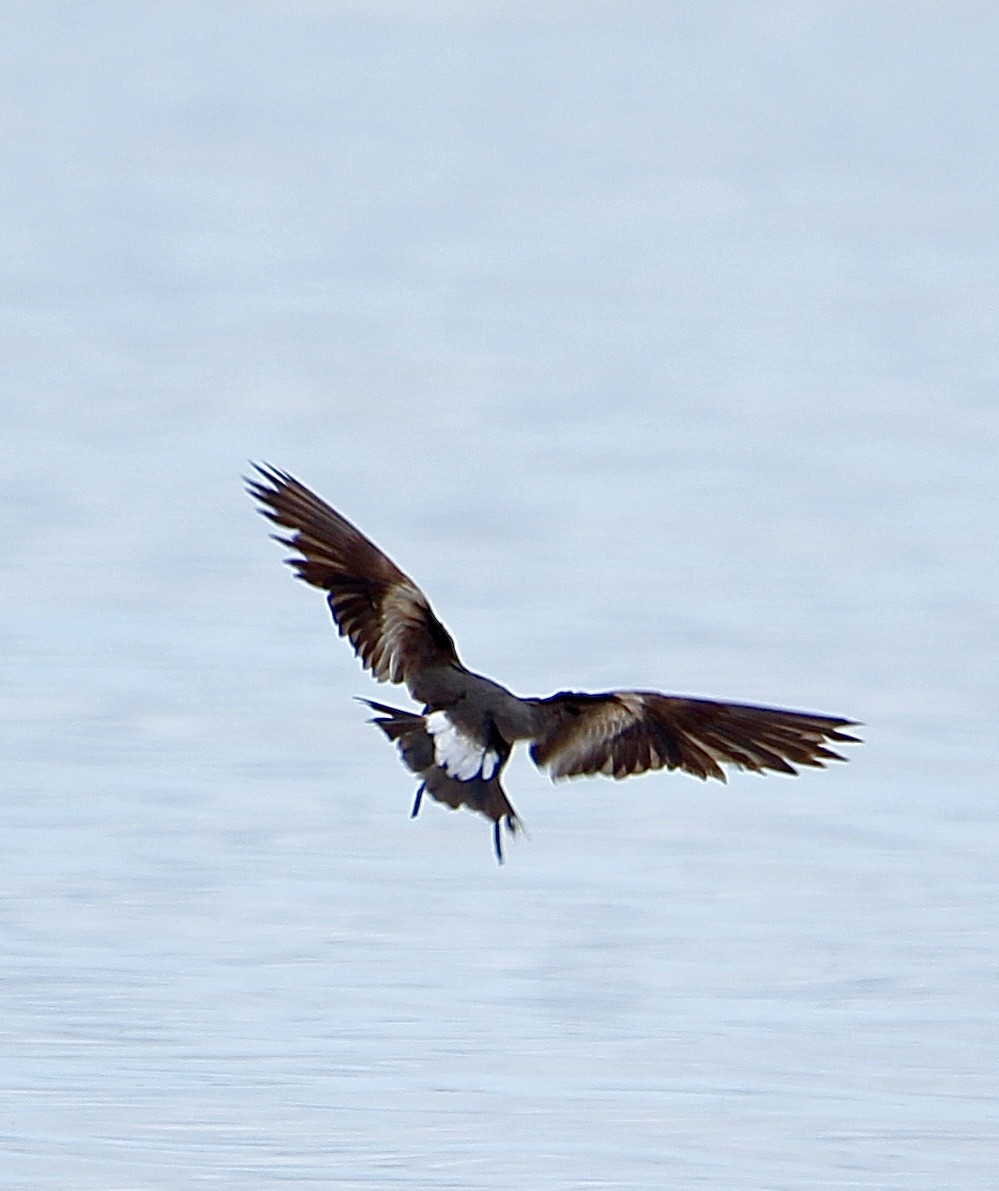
<point>621,733</point>
<point>377,607</point>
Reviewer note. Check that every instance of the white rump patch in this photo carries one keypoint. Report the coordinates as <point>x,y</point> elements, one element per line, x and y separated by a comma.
<point>458,754</point>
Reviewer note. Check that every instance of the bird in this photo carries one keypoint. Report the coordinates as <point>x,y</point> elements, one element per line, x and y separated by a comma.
<point>460,740</point>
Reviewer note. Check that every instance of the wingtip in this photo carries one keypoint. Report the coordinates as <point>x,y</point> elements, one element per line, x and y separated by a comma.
<point>274,476</point>
<point>262,469</point>
<point>259,491</point>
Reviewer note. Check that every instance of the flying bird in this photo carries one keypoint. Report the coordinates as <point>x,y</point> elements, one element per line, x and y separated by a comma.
<point>460,741</point>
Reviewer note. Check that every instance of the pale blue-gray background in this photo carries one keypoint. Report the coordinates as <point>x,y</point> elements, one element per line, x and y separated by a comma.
<point>659,343</point>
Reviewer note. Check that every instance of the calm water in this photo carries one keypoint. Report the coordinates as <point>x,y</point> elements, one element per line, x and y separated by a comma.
<point>659,346</point>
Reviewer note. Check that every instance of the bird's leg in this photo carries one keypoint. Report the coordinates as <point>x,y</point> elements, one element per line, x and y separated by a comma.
<point>416,805</point>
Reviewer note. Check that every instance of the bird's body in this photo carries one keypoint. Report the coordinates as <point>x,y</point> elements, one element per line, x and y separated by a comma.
<point>460,742</point>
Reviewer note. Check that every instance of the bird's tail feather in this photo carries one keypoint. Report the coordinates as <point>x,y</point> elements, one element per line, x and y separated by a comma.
<point>408,731</point>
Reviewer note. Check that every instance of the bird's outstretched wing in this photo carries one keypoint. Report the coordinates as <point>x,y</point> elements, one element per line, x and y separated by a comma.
<point>625,732</point>
<point>376,607</point>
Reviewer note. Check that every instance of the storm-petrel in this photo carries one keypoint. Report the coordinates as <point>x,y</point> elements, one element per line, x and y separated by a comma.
<point>461,740</point>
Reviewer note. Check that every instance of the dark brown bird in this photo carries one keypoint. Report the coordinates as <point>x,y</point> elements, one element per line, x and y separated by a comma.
<point>461,740</point>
